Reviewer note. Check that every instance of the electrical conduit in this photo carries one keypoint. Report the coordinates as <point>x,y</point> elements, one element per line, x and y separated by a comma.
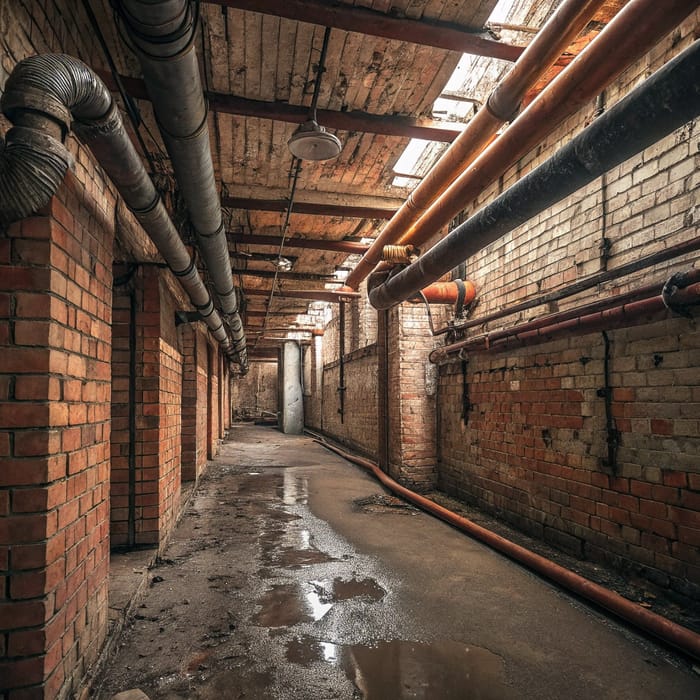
<point>676,635</point>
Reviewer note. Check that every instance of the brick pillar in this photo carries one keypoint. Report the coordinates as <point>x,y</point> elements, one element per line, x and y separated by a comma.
<point>412,442</point>
<point>55,337</point>
<point>158,414</point>
<point>194,401</point>
<point>212,401</point>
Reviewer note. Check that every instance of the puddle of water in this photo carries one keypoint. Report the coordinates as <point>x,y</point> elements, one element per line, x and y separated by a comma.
<point>399,669</point>
<point>367,588</point>
<point>287,604</point>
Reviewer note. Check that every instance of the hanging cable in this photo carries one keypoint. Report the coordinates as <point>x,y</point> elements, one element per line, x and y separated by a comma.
<point>285,226</point>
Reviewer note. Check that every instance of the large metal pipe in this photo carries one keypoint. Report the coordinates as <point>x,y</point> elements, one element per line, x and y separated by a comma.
<point>606,314</point>
<point>43,96</point>
<point>625,39</point>
<point>666,101</point>
<point>163,35</point>
<point>555,36</point>
<point>650,622</point>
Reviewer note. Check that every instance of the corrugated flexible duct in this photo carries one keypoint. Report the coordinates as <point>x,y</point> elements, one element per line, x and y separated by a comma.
<point>43,96</point>
<point>162,33</point>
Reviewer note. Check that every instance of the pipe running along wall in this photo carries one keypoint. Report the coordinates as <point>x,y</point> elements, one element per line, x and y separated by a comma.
<point>643,305</point>
<point>676,635</point>
<point>162,34</point>
<point>43,96</point>
<point>663,103</point>
<point>639,25</point>
<point>555,36</point>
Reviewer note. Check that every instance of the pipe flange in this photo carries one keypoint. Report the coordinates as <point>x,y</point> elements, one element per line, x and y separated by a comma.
<point>501,107</point>
<point>673,284</point>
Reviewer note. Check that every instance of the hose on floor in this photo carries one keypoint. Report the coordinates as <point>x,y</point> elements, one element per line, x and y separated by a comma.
<point>650,622</point>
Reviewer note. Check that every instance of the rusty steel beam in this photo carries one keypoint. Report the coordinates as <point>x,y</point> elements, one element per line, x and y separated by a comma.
<point>291,242</point>
<point>278,274</point>
<point>329,295</point>
<point>313,208</point>
<point>440,35</point>
<point>356,120</point>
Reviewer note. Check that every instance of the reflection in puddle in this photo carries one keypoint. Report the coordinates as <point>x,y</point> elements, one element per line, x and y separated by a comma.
<point>400,669</point>
<point>286,605</point>
<point>295,490</point>
<point>338,589</point>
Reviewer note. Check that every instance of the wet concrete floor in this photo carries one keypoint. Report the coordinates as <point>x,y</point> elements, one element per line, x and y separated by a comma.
<point>293,575</point>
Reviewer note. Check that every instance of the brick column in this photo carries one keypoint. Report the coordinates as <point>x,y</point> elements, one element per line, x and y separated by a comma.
<point>55,347</point>
<point>194,400</point>
<point>412,441</point>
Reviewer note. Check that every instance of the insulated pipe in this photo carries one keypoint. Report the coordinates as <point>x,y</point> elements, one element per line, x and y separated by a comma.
<point>664,102</point>
<point>162,33</point>
<point>650,622</point>
<point>447,293</point>
<point>43,96</point>
<point>632,31</point>
<point>555,36</point>
<point>601,315</point>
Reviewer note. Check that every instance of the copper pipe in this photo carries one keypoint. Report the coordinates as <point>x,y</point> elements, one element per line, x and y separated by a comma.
<point>556,35</point>
<point>650,622</point>
<point>626,38</point>
<point>643,263</point>
<point>586,319</point>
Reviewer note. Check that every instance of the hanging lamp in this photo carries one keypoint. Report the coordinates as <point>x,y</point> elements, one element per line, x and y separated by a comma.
<point>311,141</point>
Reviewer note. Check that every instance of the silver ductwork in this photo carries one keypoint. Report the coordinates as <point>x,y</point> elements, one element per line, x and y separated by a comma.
<point>162,34</point>
<point>44,97</point>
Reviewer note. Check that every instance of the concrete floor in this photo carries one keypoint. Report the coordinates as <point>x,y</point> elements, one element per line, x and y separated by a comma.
<point>293,575</point>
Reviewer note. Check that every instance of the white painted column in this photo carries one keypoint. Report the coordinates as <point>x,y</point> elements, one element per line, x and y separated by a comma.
<point>291,410</point>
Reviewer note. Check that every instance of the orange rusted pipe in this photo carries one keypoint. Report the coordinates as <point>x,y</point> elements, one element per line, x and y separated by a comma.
<point>447,293</point>
<point>627,37</point>
<point>676,635</point>
<point>555,36</point>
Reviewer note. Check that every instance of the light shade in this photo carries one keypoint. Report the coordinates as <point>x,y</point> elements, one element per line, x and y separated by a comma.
<point>312,142</point>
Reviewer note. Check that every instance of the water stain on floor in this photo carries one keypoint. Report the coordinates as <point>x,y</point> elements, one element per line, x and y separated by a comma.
<point>401,669</point>
<point>339,589</point>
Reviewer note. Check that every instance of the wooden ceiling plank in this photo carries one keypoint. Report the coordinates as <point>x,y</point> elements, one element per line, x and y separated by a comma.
<point>441,35</point>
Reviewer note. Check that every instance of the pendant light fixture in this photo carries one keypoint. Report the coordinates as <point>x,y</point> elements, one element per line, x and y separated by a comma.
<point>311,141</point>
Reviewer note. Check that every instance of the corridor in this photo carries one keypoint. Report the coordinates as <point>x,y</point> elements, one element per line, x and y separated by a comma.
<point>293,575</point>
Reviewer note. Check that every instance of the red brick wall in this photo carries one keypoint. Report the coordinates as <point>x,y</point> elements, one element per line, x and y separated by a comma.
<point>256,392</point>
<point>55,314</point>
<point>194,401</point>
<point>120,444</point>
<point>159,396</point>
<point>534,449</point>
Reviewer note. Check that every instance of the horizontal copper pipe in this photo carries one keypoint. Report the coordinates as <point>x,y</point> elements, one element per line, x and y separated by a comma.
<point>638,26</point>
<point>579,321</point>
<point>556,35</point>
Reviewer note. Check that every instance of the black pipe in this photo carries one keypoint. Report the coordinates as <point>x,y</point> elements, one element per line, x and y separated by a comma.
<point>663,103</point>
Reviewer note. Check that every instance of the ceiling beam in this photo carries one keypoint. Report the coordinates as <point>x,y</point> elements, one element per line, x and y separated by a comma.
<point>292,242</point>
<point>271,274</point>
<point>329,295</point>
<point>312,208</point>
<point>364,122</point>
<point>441,35</point>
